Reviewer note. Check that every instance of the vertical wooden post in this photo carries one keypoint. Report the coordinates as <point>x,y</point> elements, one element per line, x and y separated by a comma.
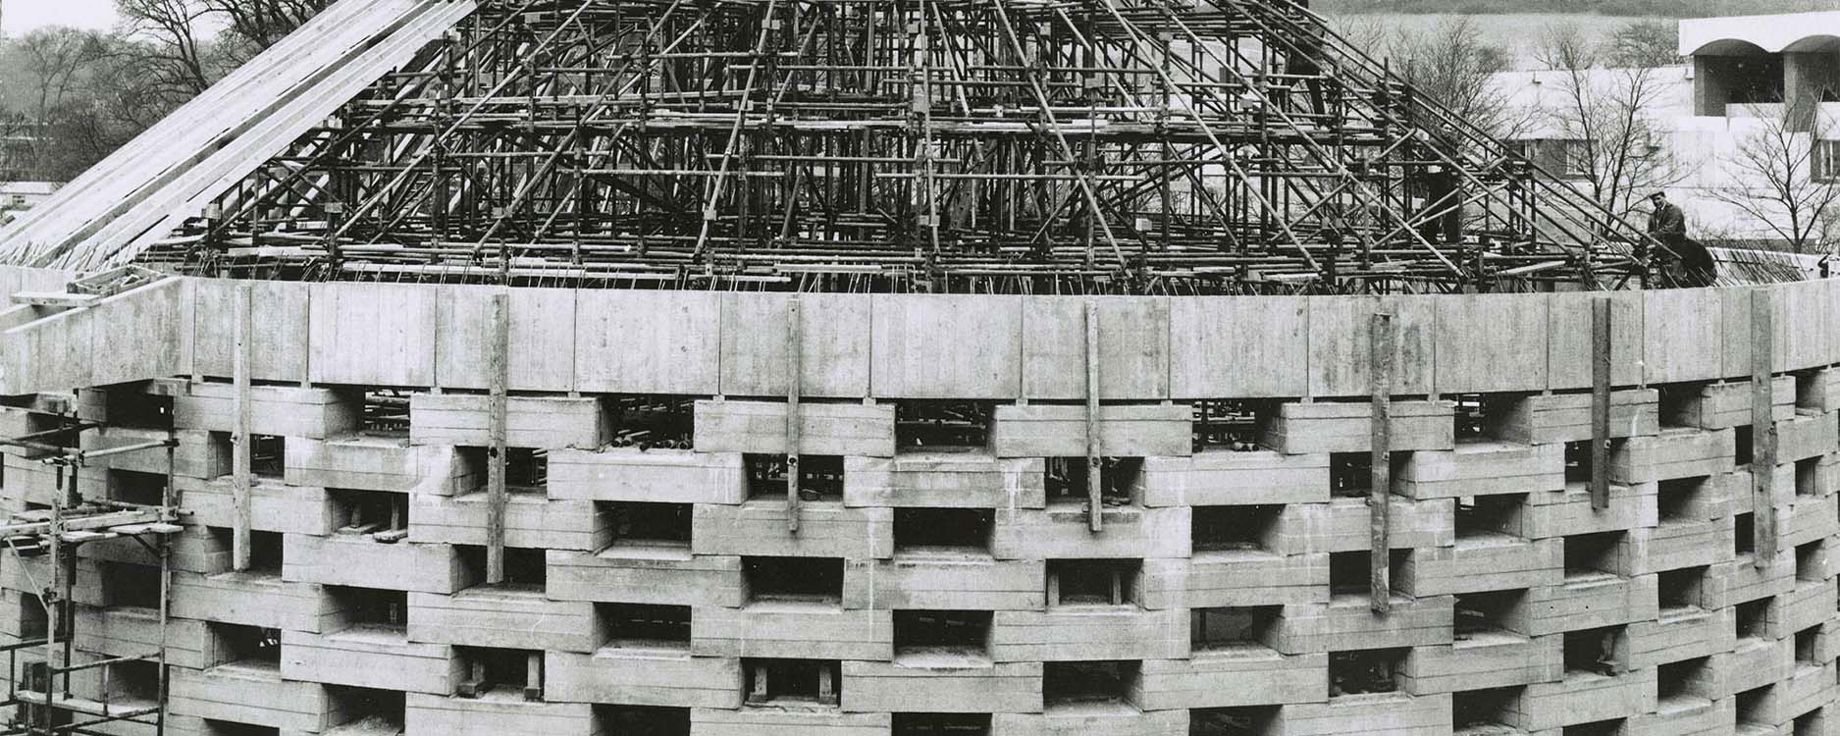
<point>1600,403</point>
<point>795,362</point>
<point>240,470</point>
<point>1380,374</point>
<point>498,374</point>
<point>1094,487</point>
<point>1763,426</point>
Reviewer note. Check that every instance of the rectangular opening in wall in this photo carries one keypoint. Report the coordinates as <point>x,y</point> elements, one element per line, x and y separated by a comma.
<point>527,471</point>
<point>792,681</point>
<point>265,553</point>
<point>1617,727</point>
<point>942,425</point>
<point>1812,723</point>
<point>1590,556</point>
<point>943,530</point>
<point>1594,652</point>
<point>376,711</point>
<point>245,646</point>
<point>371,608</point>
<point>34,620</point>
<point>1752,620</point>
<point>1066,684</point>
<point>1679,405</point>
<point>641,719</point>
<point>1230,424</point>
<point>640,626</point>
<point>955,633</point>
<point>132,407</point>
<point>1685,683</point>
<point>1485,517</point>
<point>144,489</point>
<point>820,477</point>
<point>1092,582</point>
<point>1578,462</point>
<point>1742,446</point>
<point>1234,528</point>
<point>1753,708</point>
<point>1810,391</point>
<point>511,671</point>
<point>1257,720</point>
<point>214,727</point>
<point>1808,647</point>
<point>128,585</point>
<point>267,455</point>
<point>1351,474</point>
<point>379,515</point>
<point>1683,500</point>
<point>646,524</point>
<point>133,683</point>
<point>1232,628</point>
<point>1807,477</point>
<point>1481,417</point>
<point>1485,712</point>
<point>646,421</point>
<point>525,568</point>
<point>1743,534</point>
<point>816,580</point>
<point>1067,480</point>
<point>1492,613</point>
<point>1681,591</point>
<point>386,413</point>
<point>1811,561</point>
<point>1365,671</point>
<point>941,724</point>
<point>1350,572</point>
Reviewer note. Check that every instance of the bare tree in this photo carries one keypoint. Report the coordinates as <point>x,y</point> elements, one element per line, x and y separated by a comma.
<point>174,47</point>
<point>259,24</point>
<point>1645,44</point>
<point>1451,64</point>
<point>1783,180</point>
<point>1606,116</point>
<point>55,58</point>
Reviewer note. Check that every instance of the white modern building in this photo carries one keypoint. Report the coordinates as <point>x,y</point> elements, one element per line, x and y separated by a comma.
<point>1745,80</point>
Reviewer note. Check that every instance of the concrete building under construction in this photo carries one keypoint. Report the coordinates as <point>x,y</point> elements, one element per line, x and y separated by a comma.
<point>913,367</point>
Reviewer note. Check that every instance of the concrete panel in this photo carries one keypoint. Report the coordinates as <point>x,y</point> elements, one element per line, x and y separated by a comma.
<point>1341,344</point>
<point>377,334</point>
<point>836,345</point>
<point>1569,330</point>
<point>1682,329</point>
<point>1478,334</point>
<point>648,342</point>
<point>278,329</point>
<point>1133,348</point>
<point>1232,347</point>
<point>947,347</point>
<point>542,338</point>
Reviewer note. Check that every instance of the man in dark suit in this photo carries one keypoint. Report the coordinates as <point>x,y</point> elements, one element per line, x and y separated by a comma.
<point>1687,261</point>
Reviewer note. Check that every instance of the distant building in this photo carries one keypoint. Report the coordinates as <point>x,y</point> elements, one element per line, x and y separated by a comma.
<point>19,196</point>
<point>1744,76</point>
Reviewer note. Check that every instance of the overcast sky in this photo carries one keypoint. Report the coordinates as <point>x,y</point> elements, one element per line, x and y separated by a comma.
<point>25,15</point>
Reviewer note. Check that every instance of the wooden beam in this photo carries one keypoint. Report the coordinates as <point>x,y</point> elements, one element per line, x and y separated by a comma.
<point>1094,487</point>
<point>1600,403</point>
<point>795,361</point>
<point>1380,374</point>
<point>498,374</point>
<point>240,467</point>
<point>1763,426</point>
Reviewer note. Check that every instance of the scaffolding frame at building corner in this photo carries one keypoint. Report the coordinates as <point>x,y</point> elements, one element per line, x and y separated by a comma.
<point>47,698</point>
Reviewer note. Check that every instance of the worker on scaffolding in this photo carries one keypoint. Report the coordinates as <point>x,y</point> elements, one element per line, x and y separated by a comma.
<point>1441,218</point>
<point>1685,261</point>
<point>1300,60</point>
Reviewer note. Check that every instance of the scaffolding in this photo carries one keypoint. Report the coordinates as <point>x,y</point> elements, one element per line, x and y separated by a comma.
<point>41,694</point>
<point>997,146</point>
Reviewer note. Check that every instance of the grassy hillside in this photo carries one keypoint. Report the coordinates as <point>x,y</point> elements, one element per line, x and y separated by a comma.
<point>1644,8</point>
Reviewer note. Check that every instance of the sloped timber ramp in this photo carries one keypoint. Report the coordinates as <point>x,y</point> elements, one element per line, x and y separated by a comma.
<point>141,192</point>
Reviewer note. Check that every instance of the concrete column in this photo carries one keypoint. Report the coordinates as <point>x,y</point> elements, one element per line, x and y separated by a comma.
<point>1711,88</point>
<point>1806,76</point>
